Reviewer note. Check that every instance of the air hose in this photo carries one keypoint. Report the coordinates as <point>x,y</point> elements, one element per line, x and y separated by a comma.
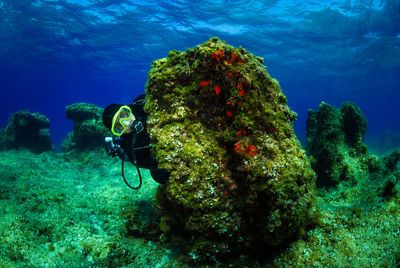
<point>123,174</point>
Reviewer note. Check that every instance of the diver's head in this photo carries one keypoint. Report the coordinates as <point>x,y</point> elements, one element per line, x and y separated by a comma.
<point>118,118</point>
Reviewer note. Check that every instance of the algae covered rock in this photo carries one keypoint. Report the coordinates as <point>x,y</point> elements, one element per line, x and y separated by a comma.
<point>335,146</point>
<point>26,130</point>
<point>354,123</point>
<point>89,131</point>
<point>221,126</point>
<point>390,161</point>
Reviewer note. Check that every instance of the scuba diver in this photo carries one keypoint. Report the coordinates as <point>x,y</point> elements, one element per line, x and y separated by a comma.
<point>130,141</point>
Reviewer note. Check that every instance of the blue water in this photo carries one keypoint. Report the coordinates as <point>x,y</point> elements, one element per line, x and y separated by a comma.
<point>57,52</point>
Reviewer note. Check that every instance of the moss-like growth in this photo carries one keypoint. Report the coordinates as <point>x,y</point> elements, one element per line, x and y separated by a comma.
<point>391,161</point>
<point>220,125</point>
<point>26,130</point>
<point>354,123</point>
<point>389,189</point>
<point>89,131</point>
<point>324,133</point>
<point>335,146</point>
<point>140,220</point>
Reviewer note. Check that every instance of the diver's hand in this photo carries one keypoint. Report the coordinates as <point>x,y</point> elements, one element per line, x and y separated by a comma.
<point>112,148</point>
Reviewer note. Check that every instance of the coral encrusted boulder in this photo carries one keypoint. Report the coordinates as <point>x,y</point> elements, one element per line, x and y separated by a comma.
<point>27,130</point>
<point>89,131</point>
<point>240,180</point>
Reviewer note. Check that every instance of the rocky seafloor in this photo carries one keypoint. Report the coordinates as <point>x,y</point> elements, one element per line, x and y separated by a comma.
<point>60,209</point>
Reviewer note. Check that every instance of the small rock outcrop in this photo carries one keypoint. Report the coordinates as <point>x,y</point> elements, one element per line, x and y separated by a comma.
<point>89,131</point>
<point>26,130</point>
<point>336,149</point>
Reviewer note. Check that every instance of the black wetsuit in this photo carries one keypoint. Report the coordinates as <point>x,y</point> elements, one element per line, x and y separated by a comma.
<point>137,145</point>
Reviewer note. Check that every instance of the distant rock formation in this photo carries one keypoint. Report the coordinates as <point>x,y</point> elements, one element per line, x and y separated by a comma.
<point>89,131</point>
<point>336,149</point>
<point>240,181</point>
<point>26,130</point>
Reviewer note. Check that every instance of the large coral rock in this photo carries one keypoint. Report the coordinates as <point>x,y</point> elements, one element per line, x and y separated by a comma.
<point>221,126</point>
<point>27,130</point>
<point>89,131</point>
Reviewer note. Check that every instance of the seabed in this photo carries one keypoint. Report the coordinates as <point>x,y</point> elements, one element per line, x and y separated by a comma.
<point>61,209</point>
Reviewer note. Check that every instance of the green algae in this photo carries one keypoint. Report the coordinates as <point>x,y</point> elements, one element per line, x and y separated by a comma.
<point>55,211</point>
<point>359,227</point>
<point>239,177</point>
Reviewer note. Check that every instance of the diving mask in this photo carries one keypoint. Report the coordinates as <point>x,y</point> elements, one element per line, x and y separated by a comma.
<point>122,120</point>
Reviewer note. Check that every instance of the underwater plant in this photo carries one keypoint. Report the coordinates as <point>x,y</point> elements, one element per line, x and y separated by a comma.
<point>240,180</point>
